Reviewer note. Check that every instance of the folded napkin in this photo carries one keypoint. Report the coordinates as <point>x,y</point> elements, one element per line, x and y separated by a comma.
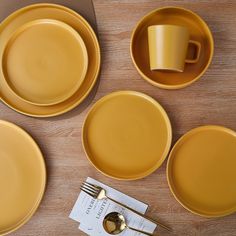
<point>91,212</point>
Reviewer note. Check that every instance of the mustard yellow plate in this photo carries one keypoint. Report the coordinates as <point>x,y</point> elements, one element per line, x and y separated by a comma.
<point>45,61</point>
<point>201,171</point>
<point>22,177</point>
<point>78,23</point>
<point>127,135</point>
<point>199,31</point>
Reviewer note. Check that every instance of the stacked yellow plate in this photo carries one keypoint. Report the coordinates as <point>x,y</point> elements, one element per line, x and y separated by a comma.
<point>50,60</point>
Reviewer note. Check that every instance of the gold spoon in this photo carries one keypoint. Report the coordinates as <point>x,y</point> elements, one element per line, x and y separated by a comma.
<point>114,223</point>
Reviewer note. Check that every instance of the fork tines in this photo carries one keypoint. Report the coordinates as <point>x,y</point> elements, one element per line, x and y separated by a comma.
<point>90,189</point>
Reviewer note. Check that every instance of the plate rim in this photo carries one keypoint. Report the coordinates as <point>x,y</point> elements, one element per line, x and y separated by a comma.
<point>98,52</point>
<point>44,174</point>
<point>160,85</point>
<point>170,158</point>
<point>156,104</point>
<point>65,26</point>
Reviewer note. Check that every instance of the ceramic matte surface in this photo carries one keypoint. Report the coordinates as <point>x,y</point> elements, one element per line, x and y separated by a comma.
<point>199,32</point>
<point>45,62</point>
<point>22,177</point>
<point>168,47</point>
<point>127,135</point>
<point>201,171</point>
<point>57,12</point>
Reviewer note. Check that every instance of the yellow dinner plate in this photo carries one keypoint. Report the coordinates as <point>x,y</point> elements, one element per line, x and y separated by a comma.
<point>45,62</point>
<point>73,19</point>
<point>22,177</point>
<point>201,171</point>
<point>127,135</point>
<point>199,31</point>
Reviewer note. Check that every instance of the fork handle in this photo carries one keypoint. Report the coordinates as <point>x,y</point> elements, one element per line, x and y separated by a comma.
<point>140,214</point>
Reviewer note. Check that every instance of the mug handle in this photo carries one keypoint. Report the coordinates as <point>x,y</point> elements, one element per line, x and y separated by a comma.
<point>198,50</point>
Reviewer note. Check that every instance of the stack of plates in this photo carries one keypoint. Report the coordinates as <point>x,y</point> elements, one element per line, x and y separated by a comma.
<point>50,60</point>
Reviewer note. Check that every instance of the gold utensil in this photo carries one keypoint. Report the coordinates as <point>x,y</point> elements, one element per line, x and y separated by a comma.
<point>99,193</point>
<point>115,223</point>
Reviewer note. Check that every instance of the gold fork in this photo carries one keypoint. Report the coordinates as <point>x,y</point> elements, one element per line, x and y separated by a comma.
<point>99,193</point>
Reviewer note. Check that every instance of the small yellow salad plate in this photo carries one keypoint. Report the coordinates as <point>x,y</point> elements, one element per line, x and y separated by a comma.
<point>45,62</point>
<point>201,171</point>
<point>127,135</point>
<point>22,177</point>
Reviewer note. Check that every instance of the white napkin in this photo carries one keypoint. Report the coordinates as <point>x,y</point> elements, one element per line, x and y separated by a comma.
<point>91,212</point>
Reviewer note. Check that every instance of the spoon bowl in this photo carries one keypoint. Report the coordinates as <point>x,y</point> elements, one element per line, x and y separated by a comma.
<point>115,223</point>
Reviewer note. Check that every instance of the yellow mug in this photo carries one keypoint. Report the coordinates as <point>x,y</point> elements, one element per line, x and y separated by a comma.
<point>168,47</point>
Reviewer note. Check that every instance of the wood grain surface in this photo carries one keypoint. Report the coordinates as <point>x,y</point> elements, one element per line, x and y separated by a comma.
<point>211,100</point>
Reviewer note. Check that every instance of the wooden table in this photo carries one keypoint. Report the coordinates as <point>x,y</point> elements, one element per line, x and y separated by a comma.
<point>212,100</point>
